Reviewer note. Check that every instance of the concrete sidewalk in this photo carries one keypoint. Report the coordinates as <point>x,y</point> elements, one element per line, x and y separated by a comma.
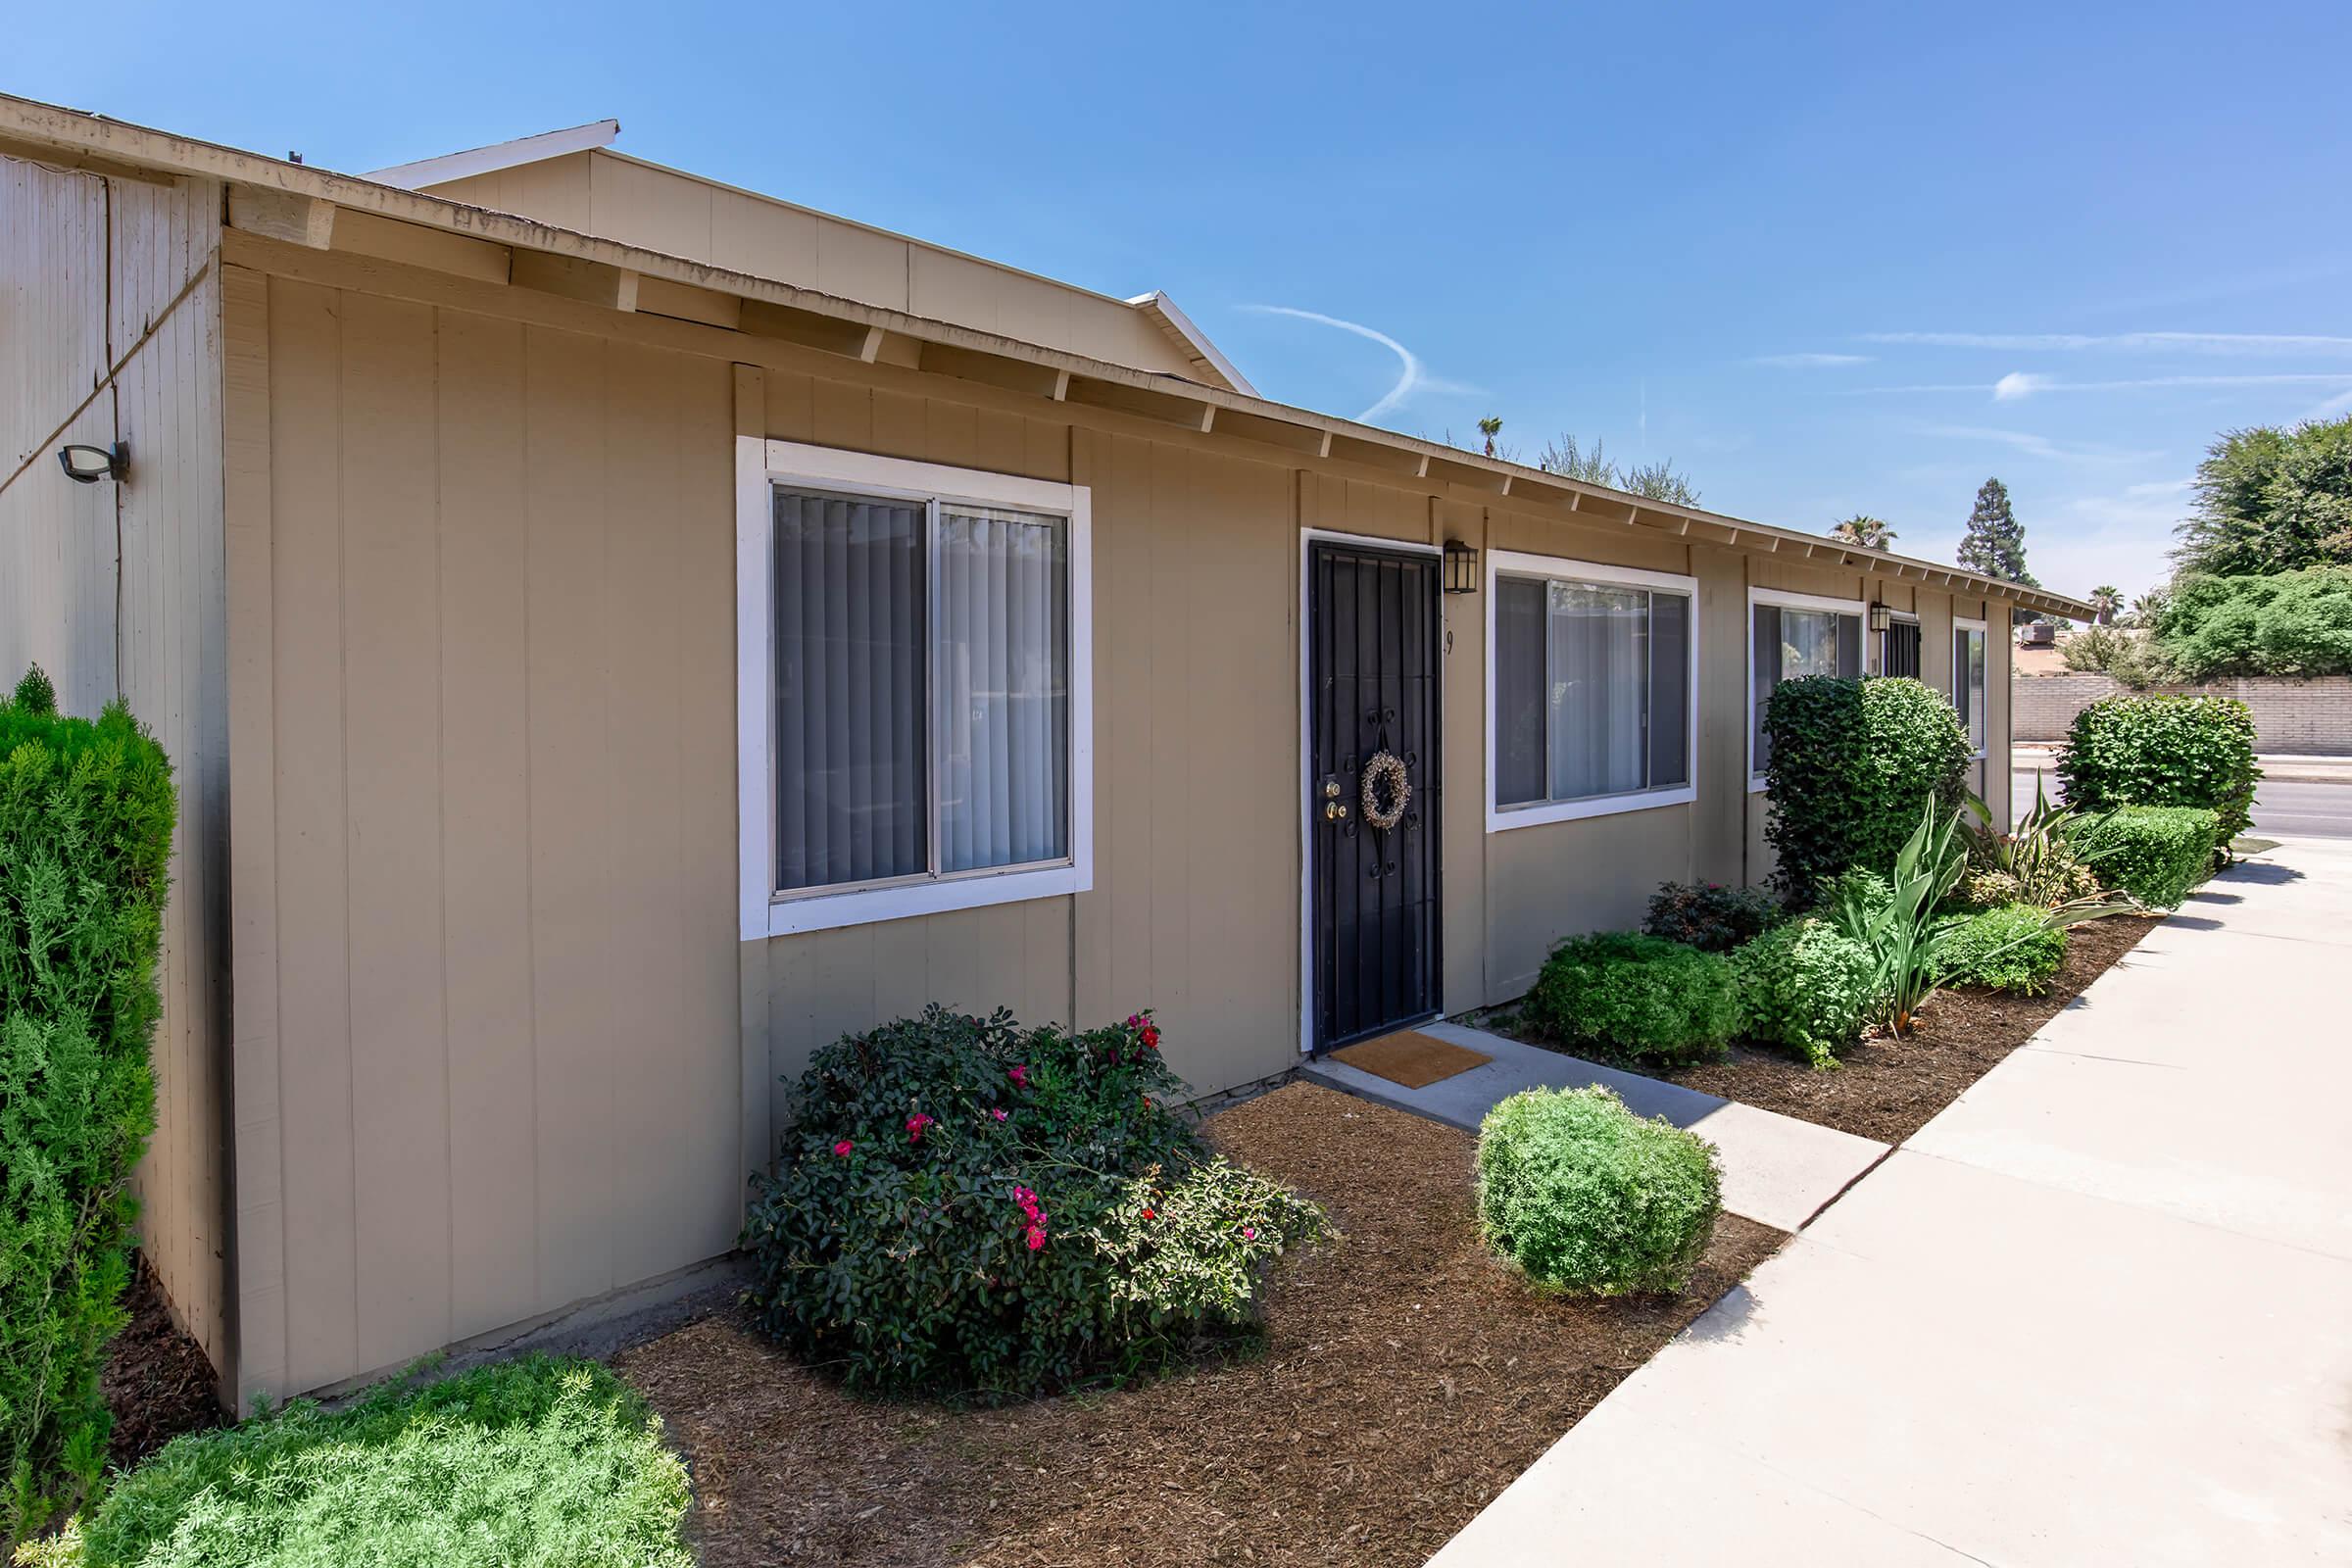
<point>1777,1170</point>
<point>2095,1312</point>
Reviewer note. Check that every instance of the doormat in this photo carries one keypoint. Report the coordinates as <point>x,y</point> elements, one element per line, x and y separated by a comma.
<point>1412,1058</point>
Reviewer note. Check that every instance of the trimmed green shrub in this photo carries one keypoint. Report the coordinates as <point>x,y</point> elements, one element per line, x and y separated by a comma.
<point>1710,917</point>
<point>1638,996</point>
<point>2156,853</point>
<point>966,1206</point>
<point>1852,764</point>
<point>2012,947</point>
<point>85,843</point>
<point>2162,750</point>
<point>1581,1194</point>
<point>539,1461</point>
<point>1806,988</point>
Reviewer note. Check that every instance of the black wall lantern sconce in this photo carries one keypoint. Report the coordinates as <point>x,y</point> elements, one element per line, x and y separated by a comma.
<point>90,464</point>
<point>1877,616</point>
<point>1461,567</point>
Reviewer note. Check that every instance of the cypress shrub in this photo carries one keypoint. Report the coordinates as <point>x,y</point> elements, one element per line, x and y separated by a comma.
<point>2164,750</point>
<point>1853,765</point>
<point>86,845</point>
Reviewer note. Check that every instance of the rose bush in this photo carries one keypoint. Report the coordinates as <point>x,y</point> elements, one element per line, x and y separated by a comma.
<point>962,1205</point>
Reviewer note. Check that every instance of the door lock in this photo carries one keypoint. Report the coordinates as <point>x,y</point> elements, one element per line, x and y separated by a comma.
<point>1331,788</point>
<point>1333,812</point>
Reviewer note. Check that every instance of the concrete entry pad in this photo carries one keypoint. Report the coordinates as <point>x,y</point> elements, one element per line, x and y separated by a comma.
<point>1777,1170</point>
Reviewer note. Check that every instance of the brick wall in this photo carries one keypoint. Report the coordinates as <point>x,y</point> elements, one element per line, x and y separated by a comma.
<point>2293,718</point>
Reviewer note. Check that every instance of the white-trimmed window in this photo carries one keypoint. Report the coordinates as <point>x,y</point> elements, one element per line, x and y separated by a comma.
<point>1790,634</point>
<point>1900,646</point>
<point>913,695</point>
<point>1968,680</point>
<point>1592,695</point>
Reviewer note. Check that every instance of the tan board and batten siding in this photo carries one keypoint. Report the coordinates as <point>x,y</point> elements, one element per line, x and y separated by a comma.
<point>110,274</point>
<point>460,610</point>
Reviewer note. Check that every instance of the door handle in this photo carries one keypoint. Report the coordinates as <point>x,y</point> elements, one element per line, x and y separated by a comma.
<point>1333,812</point>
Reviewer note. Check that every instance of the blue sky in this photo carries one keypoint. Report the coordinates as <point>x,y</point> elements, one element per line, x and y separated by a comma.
<point>1852,259</point>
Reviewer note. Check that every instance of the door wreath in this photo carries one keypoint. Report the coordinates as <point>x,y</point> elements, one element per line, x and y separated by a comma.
<point>1387,791</point>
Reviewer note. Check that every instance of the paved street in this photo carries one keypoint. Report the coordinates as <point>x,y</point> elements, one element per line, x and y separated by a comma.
<point>2281,809</point>
<point>2091,1314</point>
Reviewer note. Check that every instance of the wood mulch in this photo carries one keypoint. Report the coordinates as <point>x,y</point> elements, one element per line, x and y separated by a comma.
<point>156,1380</point>
<point>1405,1378</point>
<point>1889,1089</point>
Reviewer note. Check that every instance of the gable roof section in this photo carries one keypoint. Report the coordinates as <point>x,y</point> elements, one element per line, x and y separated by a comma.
<point>1215,368</point>
<point>499,155</point>
<point>296,203</point>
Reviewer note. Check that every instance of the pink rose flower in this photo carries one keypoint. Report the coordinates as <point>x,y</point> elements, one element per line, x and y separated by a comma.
<point>915,1125</point>
<point>843,1149</point>
<point>1019,1076</point>
<point>999,1113</point>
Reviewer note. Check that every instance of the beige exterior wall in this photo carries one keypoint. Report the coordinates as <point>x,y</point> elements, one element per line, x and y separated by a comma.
<point>664,210</point>
<point>500,1047</point>
<point>104,274</point>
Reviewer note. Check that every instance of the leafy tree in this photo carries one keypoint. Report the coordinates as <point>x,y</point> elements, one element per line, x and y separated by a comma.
<point>2146,609</point>
<point>1490,426</point>
<point>2288,623</point>
<point>2270,500</point>
<point>2105,599</point>
<point>1995,542</point>
<point>1565,459</point>
<point>1659,483</point>
<point>1865,531</point>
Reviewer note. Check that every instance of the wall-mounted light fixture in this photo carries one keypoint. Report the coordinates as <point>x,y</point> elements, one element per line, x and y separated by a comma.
<point>1877,616</point>
<point>1461,567</point>
<point>90,464</point>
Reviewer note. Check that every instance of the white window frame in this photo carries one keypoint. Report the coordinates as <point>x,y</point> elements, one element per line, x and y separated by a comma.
<point>1786,600</point>
<point>1501,818</point>
<point>1961,623</point>
<point>765,911</point>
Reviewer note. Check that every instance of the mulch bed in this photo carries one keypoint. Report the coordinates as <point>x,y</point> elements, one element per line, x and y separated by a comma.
<point>157,1381</point>
<point>1405,1378</point>
<point>1889,1089</point>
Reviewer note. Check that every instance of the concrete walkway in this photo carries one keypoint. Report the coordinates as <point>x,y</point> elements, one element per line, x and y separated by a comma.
<point>1777,1170</point>
<point>2099,1311</point>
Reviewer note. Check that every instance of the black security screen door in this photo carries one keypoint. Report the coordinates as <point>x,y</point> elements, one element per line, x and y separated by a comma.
<point>1372,668</point>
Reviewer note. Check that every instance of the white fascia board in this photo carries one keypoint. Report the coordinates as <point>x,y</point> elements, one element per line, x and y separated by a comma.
<point>490,160</point>
<point>1180,325</point>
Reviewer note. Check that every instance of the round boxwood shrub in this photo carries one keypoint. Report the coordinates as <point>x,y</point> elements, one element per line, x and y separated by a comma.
<point>1852,766</point>
<point>1581,1194</point>
<point>1806,988</point>
<point>2012,947</point>
<point>2164,750</point>
<point>2157,854</point>
<point>966,1206</point>
<point>1634,995</point>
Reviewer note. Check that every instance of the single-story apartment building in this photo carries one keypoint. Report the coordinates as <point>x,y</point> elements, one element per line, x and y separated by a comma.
<point>616,632</point>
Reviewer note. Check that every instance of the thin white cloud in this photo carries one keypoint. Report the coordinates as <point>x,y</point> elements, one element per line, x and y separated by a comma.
<point>1809,362</point>
<point>2032,445</point>
<point>1412,377</point>
<point>2327,410</point>
<point>2020,384</point>
<point>2194,342</point>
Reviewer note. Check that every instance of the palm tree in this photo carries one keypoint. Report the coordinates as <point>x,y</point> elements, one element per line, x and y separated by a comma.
<point>1490,426</point>
<point>2106,599</point>
<point>1865,530</point>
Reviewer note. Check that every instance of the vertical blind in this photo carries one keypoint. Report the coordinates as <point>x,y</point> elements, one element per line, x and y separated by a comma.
<point>1591,690</point>
<point>922,689</point>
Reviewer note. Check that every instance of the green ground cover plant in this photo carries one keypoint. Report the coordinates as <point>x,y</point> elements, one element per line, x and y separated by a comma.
<point>1852,762</point>
<point>2157,854</point>
<point>1635,997</point>
<point>2163,749</point>
<point>86,811</point>
<point>1584,1196</point>
<point>1806,988</point>
<point>2009,948</point>
<point>965,1208</point>
<point>1709,915</point>
<point>535,1464</point>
